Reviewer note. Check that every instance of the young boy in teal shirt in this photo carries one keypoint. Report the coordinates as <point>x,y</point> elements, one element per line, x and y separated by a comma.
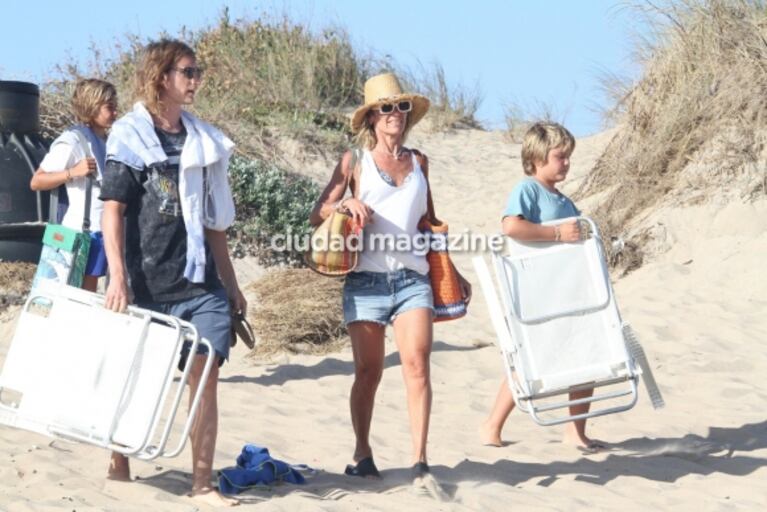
<point>546,151</point>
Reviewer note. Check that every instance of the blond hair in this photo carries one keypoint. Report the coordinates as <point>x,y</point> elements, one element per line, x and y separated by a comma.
<point>89,95</point>
<point>542,138</point>
<point>366,138</point>
<point>157,60</point>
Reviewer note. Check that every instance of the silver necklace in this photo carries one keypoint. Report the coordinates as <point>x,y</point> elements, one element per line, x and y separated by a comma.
<point>395,155</point>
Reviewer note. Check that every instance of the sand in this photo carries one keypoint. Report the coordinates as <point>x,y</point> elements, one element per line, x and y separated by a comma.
<point>698,309</point>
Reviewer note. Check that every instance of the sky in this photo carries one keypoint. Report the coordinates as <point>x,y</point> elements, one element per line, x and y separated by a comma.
<point>546,55</point>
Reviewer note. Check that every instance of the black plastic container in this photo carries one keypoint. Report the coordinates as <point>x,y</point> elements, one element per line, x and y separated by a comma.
<point>19,107</point>
<point>23,212</point>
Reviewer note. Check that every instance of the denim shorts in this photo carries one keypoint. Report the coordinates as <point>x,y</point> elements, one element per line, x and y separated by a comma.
<point>209,313</point>
<point>97,257</point>
<point>380,296</point>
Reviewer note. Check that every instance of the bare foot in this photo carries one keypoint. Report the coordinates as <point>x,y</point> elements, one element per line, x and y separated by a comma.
<point>119,468</point>
<point>584,443</point>
<point>490,436</point>
<point>210,496</point>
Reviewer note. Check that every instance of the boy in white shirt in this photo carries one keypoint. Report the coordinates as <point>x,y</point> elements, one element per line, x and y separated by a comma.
<point>94,105</point>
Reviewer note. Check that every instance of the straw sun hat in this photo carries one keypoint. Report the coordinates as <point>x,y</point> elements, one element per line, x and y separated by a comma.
<point>385,88</point>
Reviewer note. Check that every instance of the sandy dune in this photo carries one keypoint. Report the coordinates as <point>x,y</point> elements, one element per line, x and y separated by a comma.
<point>698,309</point>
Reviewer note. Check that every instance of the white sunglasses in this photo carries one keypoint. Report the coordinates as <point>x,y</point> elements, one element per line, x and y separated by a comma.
<point>402,106</point>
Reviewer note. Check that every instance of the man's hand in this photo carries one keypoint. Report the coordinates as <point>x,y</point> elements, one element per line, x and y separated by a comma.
<point>116,298</point>
<point>237,301</point>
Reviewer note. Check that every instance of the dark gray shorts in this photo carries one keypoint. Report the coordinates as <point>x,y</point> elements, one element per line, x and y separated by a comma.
<point>209,313</point>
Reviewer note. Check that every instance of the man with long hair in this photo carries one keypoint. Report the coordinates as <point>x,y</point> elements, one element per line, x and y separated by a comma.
<point>167,204</point>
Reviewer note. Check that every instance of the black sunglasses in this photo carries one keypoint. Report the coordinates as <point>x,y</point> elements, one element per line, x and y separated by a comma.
<point>190,72</point>
<point>402,106</point>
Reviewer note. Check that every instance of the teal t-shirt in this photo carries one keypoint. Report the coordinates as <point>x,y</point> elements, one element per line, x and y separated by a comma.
<point>536,204</point>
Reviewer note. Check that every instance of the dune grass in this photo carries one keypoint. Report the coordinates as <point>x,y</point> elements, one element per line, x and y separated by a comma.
<point>266,80</point>
<point>702,91</point>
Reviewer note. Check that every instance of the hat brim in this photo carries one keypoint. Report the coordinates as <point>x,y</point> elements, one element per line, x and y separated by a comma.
<point>420,107</point>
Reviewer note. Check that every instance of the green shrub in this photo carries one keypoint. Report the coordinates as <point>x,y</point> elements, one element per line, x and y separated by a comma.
<point>270,202</point>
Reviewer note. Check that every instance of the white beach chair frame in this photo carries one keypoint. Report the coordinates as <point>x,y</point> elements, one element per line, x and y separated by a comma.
<point>124,374</point>
<point>535,391</point>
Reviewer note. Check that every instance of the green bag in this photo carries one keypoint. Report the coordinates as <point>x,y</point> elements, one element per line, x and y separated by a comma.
<point>64,256</point>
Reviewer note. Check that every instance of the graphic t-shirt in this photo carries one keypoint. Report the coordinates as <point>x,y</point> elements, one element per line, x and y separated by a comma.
<point>155,233</point>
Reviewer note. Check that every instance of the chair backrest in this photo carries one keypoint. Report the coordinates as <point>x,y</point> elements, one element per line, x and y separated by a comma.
<point>555,280</point>
<point>81,371</point>
<point>561,311</point>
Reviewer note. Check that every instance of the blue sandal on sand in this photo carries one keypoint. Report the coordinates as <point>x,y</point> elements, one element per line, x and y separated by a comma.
<point>365,468</point>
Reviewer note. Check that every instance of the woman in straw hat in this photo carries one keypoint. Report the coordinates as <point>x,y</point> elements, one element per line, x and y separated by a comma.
<point>390,195</point>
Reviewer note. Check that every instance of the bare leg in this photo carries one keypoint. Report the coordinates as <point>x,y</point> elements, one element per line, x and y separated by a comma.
<point>368,349</point>
<point>119,468</point>
<point>203,435</point>
<point>413,333</point>
<point>490,430</point>
<point>575,432</point>
<point>90,283</point>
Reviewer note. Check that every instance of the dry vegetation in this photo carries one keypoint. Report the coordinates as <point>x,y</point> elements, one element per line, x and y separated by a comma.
<point>298,311</point>
<point>269,81</point>
<point>452,106</point>
<point>15,281</point>
<point>693,127</point>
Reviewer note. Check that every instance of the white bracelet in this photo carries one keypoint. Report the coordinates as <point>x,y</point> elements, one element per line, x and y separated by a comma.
<point>557,234</point>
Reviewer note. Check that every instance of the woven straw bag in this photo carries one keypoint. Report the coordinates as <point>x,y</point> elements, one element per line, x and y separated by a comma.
<point>449,302</point>
<point>336,243</point>
<point>334,247</point>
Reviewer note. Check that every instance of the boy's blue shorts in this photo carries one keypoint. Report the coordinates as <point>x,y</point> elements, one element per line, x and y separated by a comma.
<point>97,257</point>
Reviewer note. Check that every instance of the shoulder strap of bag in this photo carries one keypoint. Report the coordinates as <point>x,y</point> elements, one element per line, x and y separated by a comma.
<point>204,188</point>
<point>355,165</point>
<point>53,206</point>
<point>431,216</point>
<point>205,195</point>
<point>88,182</point>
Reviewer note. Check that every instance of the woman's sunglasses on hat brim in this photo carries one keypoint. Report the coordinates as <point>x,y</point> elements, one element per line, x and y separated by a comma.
<point>388,108</point>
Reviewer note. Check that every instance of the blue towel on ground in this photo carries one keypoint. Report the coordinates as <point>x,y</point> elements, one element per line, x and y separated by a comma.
<point>256,467</point>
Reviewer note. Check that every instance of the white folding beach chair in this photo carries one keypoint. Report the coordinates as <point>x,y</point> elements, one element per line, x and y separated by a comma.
<point>559,328</point>
<point>78,371</point>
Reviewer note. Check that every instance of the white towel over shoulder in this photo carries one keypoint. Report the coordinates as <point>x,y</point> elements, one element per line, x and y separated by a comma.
<point>134,143</point>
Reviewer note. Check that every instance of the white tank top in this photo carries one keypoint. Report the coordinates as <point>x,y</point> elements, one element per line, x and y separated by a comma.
<point>396,213</point>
